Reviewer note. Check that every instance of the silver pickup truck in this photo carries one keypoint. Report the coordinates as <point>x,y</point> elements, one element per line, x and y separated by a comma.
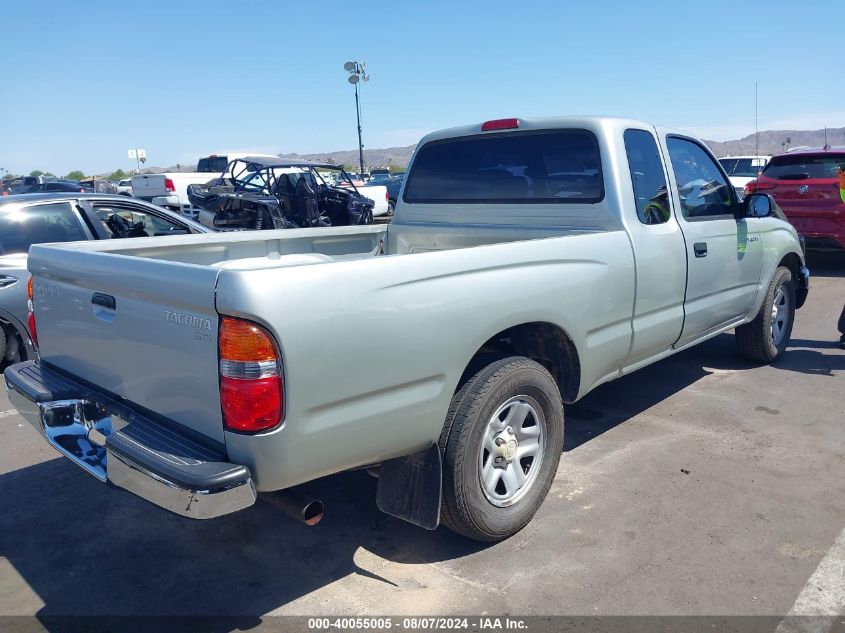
<point>529,261</point>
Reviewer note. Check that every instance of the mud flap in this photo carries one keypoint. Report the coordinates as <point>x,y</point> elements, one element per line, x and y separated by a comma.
<point>410,487</point>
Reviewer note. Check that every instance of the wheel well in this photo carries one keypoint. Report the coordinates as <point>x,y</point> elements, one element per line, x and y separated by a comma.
<point>792,262</point>
<point>545,343</point>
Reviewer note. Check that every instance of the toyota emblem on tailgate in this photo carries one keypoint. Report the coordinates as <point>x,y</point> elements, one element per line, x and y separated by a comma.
<point>803,189</point>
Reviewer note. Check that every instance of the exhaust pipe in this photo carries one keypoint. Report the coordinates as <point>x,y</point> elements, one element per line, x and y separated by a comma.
<point>297,505</point>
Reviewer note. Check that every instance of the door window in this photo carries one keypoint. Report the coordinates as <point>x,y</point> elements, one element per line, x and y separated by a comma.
<point>20,227</point>
<point>647,177</point>
<point>122,221</point>
<point>703,190</point>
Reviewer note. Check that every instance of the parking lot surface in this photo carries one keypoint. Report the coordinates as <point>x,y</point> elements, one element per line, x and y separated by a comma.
<point>700,485</point>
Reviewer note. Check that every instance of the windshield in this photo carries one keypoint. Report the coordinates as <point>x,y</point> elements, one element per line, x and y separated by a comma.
<point>803,166</point>
<point>743,167</point>
<point>21,227</point>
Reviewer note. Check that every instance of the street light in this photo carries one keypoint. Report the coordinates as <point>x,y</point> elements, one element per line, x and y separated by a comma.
<point>356,74</point>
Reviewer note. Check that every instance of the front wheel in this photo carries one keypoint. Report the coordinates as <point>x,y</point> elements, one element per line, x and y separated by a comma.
<point>766,337</point>
<point>501,445</point>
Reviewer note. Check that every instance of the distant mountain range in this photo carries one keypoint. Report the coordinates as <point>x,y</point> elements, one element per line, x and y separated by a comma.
<point>773,141</point>
<point>770,142</point>
<point>372,157</point>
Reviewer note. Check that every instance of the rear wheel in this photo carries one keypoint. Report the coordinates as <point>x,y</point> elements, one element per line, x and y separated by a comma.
<point>501,445</point>
<point>391,207</point>
<point>766,337</point>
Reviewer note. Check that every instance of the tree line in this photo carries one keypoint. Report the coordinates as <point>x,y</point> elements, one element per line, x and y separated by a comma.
<point>76,174</point>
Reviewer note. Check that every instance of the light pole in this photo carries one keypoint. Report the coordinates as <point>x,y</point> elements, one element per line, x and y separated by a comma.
<point>356,74</point>
<point>140,156</point>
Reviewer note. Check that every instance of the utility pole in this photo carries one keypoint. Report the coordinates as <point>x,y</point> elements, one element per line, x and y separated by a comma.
<point>356,74</point>
<point>756,132</point>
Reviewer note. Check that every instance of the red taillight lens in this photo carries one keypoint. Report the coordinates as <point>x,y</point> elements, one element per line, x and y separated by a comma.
<point>754,186</point>
<point>386,197</point>
<point>500,124</point>
<point>30,319</point>
<point>251,387</point>
<point>168,185</point>
<point>251,405</point>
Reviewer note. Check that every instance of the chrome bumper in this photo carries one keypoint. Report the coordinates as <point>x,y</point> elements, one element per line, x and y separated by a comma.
<point>133,452</point>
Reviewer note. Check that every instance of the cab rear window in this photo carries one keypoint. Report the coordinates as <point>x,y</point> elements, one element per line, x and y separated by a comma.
<point>803,167</point>
<point>549,166</point>
<point>215,164</point>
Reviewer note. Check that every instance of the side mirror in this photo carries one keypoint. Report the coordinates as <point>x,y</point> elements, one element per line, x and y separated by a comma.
<point>758,205</point>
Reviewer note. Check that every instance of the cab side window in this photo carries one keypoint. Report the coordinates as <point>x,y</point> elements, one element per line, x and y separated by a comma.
<point>125,221</point>
<point>703,191</point>
<point>647,177</point>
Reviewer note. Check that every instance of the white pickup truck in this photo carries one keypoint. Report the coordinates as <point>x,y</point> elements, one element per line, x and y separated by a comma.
<point>170,189</point>
<point>529,261</point>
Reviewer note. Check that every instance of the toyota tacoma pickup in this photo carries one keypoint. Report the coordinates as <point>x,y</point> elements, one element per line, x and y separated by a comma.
<point>529,261</point>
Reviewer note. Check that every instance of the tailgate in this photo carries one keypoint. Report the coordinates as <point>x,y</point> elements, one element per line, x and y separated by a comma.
<point>141,329</point>
<point>148,186</point>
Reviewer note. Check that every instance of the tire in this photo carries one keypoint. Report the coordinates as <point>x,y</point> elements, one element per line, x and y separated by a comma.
<point>391,207</point>
<point>3,331</point>
<point>765,338</point>
<point>477,420</point>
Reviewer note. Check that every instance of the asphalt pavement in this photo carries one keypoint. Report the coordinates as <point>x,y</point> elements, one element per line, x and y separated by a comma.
<point>702,484</point>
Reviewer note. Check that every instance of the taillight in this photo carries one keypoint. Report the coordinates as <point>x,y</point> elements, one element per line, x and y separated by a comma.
<point>30,317</point>
<point>168,185</point>
<point>500,124</point>
<point>755,186</point>
<point>251,388</point>
<point>386,197</point>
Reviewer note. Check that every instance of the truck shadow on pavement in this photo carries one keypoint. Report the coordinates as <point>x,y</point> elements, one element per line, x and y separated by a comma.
<point>618,401</point>
<point>66,535</point>
<point>84,549</point>
<point>826,264</point>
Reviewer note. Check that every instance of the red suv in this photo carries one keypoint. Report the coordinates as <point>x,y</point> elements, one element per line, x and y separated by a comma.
<point>806,185</point>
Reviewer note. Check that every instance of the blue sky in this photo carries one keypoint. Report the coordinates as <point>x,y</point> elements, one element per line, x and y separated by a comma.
<point>85,81</point>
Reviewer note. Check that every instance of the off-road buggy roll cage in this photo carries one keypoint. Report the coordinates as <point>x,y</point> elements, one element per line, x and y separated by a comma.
<point>266,193</point>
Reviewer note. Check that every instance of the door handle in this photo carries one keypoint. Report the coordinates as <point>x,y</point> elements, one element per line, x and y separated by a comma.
<point>700,249</point>
<point>103,300</point>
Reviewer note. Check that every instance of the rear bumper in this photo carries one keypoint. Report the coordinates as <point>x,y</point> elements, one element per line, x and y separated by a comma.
<point>117,445</point>
<point>823,229</point>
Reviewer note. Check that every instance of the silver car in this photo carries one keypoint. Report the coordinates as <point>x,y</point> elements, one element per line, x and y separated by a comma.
<point>64,217</point>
